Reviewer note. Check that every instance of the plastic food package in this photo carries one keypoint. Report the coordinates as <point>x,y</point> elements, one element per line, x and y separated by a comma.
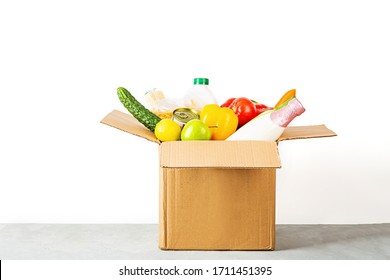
<point>160,105</point>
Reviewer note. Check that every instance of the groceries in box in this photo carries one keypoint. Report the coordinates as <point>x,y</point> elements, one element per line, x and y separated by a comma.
<point>216,194</point>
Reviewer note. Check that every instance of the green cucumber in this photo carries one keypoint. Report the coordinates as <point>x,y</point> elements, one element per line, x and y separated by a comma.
<point>142,114</point>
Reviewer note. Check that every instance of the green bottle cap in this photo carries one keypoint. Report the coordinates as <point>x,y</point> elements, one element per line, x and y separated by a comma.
<point>201,81</point>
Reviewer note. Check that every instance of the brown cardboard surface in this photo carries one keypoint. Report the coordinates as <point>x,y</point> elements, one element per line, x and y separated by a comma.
<point>217,209</point>
<point>228,154</point>
<point>304,132</point>
<point>128,124</point>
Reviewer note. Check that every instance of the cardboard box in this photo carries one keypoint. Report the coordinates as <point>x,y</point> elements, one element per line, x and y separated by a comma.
<point>216,195</point>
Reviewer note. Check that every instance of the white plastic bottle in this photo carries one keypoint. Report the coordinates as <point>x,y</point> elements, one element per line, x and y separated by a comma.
<point>269,125</point>
<point>199,95</point>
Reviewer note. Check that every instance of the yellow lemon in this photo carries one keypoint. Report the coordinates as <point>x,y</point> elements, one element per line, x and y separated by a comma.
<point>167,130</point>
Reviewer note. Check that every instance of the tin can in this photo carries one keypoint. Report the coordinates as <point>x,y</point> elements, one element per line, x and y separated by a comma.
<point>184,115</point>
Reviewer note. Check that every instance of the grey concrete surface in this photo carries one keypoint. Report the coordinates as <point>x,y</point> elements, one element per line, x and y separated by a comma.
<point>132,241</point>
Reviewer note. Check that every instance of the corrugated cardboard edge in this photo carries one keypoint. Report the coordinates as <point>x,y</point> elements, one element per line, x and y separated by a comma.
<point>129,124</point>
<point>306,132</point>
<point>272,217</point>
<point>162,211</point>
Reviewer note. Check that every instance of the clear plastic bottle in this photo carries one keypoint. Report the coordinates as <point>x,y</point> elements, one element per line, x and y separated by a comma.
<point>199,95</point>
<point>269,125</point>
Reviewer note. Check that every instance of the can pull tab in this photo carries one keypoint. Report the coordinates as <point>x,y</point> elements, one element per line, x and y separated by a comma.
<point>182,115</point>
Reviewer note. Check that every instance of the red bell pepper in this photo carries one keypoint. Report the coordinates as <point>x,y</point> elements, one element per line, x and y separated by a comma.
<point>243,107</point>
<point>262,108</point>
<point>228,102</point>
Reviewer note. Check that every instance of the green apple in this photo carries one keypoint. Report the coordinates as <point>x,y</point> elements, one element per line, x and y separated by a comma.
<point>195,130</point>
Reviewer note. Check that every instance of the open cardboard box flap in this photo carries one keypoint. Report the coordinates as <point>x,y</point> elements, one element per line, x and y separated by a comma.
<point>129,124</point>
<point>229,154</point>
<point>305,132</point>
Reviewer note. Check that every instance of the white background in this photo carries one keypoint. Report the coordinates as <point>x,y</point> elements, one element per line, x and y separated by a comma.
<point>61,62</point>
